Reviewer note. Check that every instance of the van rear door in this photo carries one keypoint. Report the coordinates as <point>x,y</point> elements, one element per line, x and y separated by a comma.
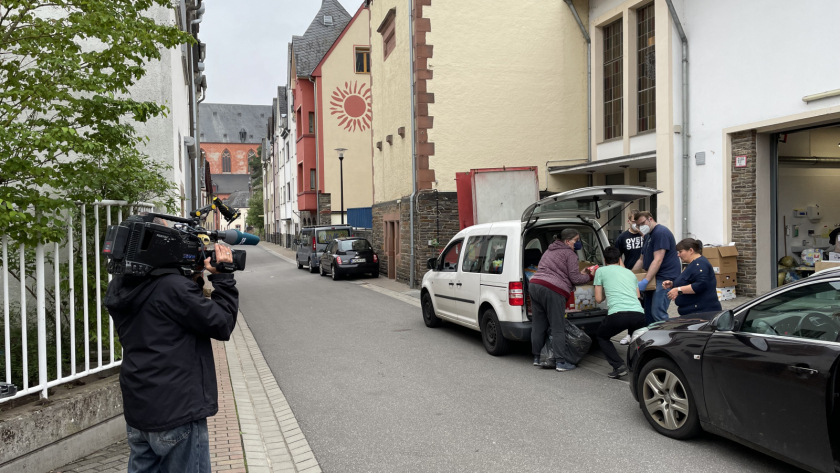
<point>589,202</point>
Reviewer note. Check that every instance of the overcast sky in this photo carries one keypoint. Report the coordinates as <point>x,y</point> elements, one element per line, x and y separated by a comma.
<point>246,45</point>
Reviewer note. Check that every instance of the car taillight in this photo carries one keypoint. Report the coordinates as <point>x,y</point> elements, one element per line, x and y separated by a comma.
<point>313,244</point>
<point>338,260</point>
<point>375,258</point>
<point>516,296</point>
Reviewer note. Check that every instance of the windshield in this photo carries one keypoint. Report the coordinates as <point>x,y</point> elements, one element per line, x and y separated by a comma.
<point>326,236</point>
<point>354,245</point>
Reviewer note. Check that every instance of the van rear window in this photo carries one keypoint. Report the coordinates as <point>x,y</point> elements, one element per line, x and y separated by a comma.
<point>326,236</point>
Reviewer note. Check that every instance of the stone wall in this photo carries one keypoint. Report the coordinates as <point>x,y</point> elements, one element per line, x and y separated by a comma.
<point>324,202</point>
<point>744,211</point>
<point>378,232</point>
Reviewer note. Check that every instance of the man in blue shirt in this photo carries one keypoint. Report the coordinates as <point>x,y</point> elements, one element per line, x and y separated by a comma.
<point>660,260</point>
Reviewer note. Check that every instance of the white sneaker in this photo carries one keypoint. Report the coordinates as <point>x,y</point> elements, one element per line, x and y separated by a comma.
<point>625,340</point>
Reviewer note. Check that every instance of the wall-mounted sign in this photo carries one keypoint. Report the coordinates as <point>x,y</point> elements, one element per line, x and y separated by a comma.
<point>740,161</point>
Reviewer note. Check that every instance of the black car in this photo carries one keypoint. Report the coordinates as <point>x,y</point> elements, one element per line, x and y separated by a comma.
<point>351,255</point>
<point>764,374</point>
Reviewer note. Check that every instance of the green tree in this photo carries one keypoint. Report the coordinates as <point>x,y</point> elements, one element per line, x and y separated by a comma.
<point>255,210</point>
<point>67,120</point>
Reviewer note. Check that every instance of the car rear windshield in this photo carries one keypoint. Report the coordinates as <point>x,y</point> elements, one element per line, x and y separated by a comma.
<point>326,236</point>
<point>354,245</point>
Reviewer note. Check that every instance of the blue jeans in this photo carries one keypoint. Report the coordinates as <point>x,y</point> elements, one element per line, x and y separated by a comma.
<point>656,303</point>
<point>184,449</point>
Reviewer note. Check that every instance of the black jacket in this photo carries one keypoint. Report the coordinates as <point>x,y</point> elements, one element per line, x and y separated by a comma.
<point>165,324</point>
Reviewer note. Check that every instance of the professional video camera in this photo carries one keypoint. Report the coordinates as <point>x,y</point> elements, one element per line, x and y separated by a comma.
<point>138,246</point>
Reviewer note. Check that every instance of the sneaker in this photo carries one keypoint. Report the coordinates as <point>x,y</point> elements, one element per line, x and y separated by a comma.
<point>625,340</point>
<point>618,372</point>
<point>536,361</point>
<point>565,366</point>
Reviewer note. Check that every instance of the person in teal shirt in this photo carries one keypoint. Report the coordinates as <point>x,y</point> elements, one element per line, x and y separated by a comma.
<point>619,286</point>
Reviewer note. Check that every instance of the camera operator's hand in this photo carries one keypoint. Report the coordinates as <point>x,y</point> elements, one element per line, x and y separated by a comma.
<point>223,255</point>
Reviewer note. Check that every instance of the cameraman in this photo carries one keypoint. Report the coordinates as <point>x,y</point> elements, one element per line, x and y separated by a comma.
<point>168,378</point>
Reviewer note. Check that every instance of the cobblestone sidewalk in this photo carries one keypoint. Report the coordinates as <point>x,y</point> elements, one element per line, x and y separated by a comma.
<point>226,452</point>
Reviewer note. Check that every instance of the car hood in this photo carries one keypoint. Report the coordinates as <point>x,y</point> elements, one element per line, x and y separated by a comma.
<point>700,321</point>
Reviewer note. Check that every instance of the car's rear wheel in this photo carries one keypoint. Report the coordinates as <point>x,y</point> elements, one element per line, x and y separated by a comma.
<point>334,273</point>
<point>429,318</point>
<point>667,401</point>
<point>375,274</point>
<point>491,333</point>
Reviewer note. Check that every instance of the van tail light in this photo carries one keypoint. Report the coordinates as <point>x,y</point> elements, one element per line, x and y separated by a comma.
<point>516,295</point>
<point>338,260</point>
<point>375,258</point>
<point>313,245</point>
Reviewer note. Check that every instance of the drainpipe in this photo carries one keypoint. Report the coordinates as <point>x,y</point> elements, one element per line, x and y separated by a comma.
<point>685,132</point>
<point>588,79</point>
<point>317,158</point>
<point>413,140</point>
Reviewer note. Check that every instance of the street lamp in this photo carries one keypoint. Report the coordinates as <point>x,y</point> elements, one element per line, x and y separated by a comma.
<point>341,167</point>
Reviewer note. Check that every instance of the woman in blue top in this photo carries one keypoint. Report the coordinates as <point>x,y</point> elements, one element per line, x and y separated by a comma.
<point>694,290</point>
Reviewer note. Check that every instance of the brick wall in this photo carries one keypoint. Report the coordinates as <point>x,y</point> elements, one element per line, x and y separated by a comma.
<point>238,156</point>
<point>744,211</point>
<point>436,218</point>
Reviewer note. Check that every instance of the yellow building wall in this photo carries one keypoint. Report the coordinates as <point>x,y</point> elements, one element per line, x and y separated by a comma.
<point>391,104</point>
<point>345,99</point>
<point>509,85</point>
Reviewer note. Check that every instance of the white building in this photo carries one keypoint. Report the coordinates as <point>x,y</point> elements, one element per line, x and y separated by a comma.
<point>289,217</point>
<point>755,69</point>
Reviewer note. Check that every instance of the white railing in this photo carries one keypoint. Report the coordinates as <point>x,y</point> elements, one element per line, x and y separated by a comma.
<point>40,282</point>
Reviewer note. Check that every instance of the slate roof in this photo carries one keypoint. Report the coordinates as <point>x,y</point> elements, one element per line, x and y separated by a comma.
<point>281,100</point>
<point>230,183</point>
<point>238,200</point>
<point>310,48</point>
<point>217,120</point>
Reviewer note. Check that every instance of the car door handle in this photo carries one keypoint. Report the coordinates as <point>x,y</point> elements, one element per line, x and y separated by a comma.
<point>452,284</point>
<point>803,370</point>
<point>458,284</point>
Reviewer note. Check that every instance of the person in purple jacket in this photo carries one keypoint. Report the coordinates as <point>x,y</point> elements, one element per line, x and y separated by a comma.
<point>550,289</point>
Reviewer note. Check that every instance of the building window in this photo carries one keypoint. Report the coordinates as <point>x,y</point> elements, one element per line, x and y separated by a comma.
<point>386,29</point>
<point>312,179</point>
<point>311,122</point>
<point>613,79</point>
<point>363,60</point>
<point>646,57</point>
<point>225,161</point>
<point>243,135</point>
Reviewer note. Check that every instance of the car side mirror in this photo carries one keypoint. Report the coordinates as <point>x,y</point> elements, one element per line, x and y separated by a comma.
<point>725,322</point>
<point>431,263</point>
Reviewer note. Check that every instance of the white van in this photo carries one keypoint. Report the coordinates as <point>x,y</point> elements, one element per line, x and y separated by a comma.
<point>477,281</point>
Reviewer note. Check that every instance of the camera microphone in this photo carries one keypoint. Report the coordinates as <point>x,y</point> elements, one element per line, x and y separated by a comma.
<point>235,237</point>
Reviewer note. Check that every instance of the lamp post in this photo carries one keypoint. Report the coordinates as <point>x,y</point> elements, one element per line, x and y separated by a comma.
<point>341,167</point>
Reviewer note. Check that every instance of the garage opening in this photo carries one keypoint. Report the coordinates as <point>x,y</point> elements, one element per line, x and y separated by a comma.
<point>805,171</point>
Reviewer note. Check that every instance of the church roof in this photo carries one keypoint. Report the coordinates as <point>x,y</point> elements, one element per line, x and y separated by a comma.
<point>222,123</point>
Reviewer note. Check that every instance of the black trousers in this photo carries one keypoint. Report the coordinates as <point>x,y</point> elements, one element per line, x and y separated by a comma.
<point>613,325</point>
<point>549,312</point>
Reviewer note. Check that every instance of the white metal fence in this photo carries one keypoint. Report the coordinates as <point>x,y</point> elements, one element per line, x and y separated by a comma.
<point>61,252</point>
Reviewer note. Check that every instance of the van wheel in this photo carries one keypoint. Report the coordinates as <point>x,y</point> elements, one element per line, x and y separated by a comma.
<point>666,400</point>
<point>311,267</point>
<point>300,266</point>
<point>429,318</point>
<point>321,271</point>
<point>491,334</point>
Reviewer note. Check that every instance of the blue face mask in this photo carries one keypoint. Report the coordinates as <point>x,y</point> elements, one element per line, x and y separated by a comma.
<point>578,245</point>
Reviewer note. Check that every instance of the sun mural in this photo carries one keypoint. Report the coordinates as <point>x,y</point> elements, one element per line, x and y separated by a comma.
<point>352,106</point>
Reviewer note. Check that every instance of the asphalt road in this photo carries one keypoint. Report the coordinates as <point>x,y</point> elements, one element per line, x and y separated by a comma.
<point>375,390</point>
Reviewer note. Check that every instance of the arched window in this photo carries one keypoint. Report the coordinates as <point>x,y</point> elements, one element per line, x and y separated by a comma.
<point>225,161</point>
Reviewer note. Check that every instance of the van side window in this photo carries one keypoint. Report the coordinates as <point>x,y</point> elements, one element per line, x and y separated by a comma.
<point>448,261</point>
<point>494,254</point>
<point>473,257</point>
<point>534,244</point>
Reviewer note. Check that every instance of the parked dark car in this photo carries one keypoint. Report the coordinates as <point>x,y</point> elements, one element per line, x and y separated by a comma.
<point>351,255</point>
<point>312,242</point>
<point>763,374</point>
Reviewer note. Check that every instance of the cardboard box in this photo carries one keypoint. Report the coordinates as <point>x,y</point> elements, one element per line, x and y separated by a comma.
<point>724,259</point>
<point>726,293</point>
<point>726,280</point>
<point>640,274</point>
<point>720,251</point>
<point>821,265</point>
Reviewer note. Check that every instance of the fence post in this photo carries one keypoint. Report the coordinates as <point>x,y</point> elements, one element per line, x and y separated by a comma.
<point>86,333</point>
<point>72,294</point>
<point>23,317</point>
<point>41,301</point>
<point>6,308</point>
<point>98,286</point>
<point>57,268</point>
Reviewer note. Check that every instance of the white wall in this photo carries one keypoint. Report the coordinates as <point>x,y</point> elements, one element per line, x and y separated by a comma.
<point>749,60</point>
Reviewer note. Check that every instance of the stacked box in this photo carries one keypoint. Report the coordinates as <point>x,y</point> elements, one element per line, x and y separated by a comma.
<point>724,260</point>
<point>584,299</point>
<point>726,293</point>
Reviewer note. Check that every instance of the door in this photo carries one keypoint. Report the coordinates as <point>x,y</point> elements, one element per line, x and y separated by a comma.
<point>392,247</point>
<point>468,282</point>
<point>443,280</point>
<point>768,382</point>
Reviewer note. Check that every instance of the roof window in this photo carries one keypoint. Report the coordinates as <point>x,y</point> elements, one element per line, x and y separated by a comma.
<point>328,21</point>
<point>243,135</point>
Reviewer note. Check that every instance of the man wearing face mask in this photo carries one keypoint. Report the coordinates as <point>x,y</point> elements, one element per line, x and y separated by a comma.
<point>550,289</point>
<point>660,260</point>
<point>629,243</point>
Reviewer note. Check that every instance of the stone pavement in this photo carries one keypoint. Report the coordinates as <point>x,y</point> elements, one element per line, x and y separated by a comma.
<point>254,425</point>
